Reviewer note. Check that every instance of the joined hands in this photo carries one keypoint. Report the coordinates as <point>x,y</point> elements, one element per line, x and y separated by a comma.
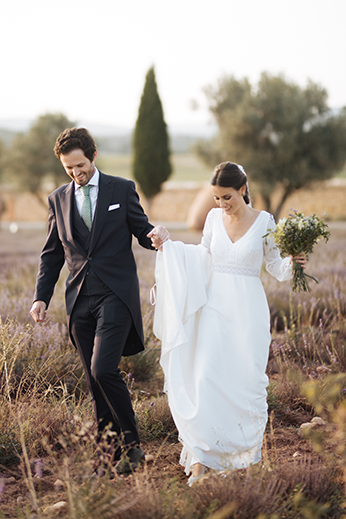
<point>158,236</point>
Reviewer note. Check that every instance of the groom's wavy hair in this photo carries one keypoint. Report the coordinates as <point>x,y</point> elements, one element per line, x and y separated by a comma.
<point>75,139</point>
<point>229,174</point>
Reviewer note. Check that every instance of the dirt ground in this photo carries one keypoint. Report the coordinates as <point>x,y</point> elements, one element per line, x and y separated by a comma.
<point>165,466</point>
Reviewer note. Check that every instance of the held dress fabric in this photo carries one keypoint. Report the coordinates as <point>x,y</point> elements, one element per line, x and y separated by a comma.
<point>213,319</point>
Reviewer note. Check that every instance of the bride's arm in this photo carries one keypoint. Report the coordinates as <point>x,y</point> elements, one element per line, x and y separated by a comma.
<point>207,231</point>
<point>280,268</point>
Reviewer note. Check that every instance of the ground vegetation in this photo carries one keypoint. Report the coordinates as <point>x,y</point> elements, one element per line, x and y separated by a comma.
<point>47,430</point>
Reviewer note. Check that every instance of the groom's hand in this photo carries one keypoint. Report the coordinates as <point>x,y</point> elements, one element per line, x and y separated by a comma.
<point>158,236</point>
<point>38,311</point>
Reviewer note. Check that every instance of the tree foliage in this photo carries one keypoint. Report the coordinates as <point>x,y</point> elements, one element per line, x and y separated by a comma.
<point>284,135</point>
<point>151,162</point>
<point>31,160</point>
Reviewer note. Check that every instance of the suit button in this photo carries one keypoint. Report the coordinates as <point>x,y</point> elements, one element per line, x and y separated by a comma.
<point>90,258</point>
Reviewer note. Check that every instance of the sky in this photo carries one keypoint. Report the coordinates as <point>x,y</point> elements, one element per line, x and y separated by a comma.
<point>88,59</point>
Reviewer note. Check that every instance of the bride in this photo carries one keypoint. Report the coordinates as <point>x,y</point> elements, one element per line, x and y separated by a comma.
<point>213,319</point>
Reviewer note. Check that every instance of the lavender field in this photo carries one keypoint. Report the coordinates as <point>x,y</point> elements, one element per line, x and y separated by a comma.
<point>47,435</point>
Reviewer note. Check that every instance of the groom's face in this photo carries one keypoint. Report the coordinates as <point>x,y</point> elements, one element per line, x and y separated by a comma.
<point>78,167</point>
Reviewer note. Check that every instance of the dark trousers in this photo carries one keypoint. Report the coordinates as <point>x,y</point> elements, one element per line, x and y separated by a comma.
<point>100,325</point>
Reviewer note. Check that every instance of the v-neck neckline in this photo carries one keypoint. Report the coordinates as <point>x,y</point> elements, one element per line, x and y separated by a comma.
<point>245,233</point>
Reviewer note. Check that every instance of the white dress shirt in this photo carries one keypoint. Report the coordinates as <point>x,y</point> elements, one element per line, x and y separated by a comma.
<point>93,193</point>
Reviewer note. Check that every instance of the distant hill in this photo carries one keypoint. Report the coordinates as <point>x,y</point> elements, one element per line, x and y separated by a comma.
<point>114,139</point>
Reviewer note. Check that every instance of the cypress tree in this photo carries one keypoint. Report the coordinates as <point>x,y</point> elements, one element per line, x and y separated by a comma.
<point>151,162</point>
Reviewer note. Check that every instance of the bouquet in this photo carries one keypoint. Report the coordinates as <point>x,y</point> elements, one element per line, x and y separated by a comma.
<point>295,235</point>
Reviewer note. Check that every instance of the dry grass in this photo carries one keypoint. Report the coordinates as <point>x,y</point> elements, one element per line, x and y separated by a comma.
<point>47,430</point>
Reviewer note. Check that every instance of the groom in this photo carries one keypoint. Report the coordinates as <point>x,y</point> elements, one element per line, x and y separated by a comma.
<point>90,227</point>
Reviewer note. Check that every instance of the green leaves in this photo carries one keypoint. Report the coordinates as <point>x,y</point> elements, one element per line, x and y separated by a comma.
<point>151,165</point>
<point>31,160</point>
<point>295,235</point>
<point>284,135</point>
<point>299,233</point>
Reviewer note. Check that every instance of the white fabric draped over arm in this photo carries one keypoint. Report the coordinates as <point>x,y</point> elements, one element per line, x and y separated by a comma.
<point>280,268</point>
<point>182,274</point>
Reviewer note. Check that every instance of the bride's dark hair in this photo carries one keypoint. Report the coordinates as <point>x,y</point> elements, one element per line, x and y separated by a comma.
<point>229,174</point>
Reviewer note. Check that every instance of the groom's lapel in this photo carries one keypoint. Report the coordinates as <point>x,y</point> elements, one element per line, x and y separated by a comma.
<point>67,201</point>
<point>106,187</point>
<point>67,209</point>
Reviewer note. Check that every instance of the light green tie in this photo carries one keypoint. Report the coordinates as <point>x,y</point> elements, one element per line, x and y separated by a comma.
<point>86,206</point>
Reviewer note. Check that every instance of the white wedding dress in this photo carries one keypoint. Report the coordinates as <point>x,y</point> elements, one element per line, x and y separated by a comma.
<point>213,320</point>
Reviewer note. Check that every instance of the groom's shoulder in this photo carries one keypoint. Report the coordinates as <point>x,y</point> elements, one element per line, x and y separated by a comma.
<point>60,190</point>
<point>120,181</point>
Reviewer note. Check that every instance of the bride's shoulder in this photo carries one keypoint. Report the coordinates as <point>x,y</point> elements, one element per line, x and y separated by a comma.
<point>210,220</point>
<point>268,219</point>
<point>214,212</point>
<point>267,215</point>
<point>213,215</point>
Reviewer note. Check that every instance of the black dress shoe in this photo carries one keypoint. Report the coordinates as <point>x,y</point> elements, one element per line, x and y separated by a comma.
<point>131,461</point>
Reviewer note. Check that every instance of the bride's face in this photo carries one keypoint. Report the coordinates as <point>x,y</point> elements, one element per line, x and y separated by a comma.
<point>229,199</point>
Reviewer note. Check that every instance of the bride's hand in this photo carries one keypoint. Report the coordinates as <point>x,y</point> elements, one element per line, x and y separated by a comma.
<point>158,236</point>
<point>301,259</point>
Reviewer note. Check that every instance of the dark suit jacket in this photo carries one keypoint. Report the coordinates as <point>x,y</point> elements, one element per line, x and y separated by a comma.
<point>110,254</point>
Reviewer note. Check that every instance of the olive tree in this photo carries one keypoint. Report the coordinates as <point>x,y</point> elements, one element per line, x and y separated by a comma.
<point>31,161</point>
<point>284,135</point>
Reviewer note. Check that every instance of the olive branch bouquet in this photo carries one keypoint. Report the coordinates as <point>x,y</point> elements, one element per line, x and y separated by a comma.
<point>295,235</point>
